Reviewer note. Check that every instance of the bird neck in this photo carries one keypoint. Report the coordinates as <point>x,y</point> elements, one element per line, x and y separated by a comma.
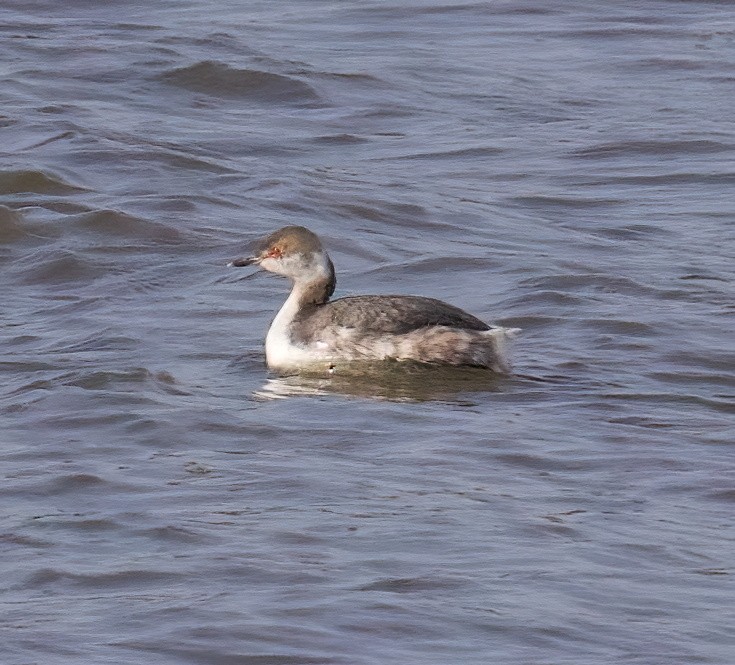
<point>316,288</point>
<point>305,295</point>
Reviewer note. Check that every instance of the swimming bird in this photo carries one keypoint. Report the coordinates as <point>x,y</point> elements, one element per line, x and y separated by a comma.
<point>312,332</point>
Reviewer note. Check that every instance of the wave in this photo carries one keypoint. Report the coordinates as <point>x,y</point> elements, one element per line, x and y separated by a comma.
<point>36,182</point>
<point>221,80</point>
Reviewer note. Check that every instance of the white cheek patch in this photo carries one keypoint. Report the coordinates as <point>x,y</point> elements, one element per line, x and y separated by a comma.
<point>299,267</point>
<point>270,264</point>
<point>311,269</point>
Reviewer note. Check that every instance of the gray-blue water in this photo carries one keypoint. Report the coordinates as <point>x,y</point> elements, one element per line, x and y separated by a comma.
<point>566,168</point>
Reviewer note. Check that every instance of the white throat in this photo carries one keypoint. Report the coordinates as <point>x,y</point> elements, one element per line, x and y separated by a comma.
<point>278,345</point>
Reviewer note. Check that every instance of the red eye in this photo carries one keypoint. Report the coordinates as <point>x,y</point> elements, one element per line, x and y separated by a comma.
<point>275,253</point>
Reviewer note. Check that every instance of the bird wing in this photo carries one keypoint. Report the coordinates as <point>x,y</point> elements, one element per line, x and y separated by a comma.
<point>395,315</point>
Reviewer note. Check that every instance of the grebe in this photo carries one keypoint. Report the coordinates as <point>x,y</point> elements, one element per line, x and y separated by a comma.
<point>310,332</point>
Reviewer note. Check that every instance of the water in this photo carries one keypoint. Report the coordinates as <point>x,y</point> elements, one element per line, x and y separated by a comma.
<point>564,169</point>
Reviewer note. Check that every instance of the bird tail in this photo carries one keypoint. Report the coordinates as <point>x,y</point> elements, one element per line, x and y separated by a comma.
<point>501,338</point>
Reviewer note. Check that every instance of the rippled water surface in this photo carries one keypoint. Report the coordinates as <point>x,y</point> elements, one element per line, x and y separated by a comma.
<point>566,168</point>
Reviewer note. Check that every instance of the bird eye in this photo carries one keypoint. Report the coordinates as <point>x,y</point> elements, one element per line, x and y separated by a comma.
<point>275,253</point>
